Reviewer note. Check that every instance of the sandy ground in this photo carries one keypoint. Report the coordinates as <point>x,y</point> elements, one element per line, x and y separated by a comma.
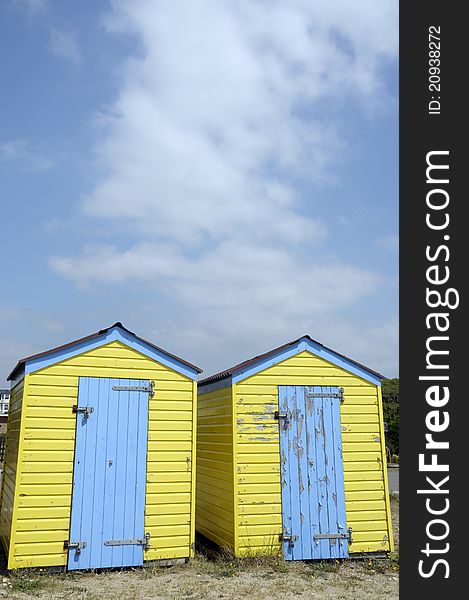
<point>210,579</point>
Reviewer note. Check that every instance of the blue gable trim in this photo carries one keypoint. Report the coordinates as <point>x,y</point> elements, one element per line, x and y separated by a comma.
<point>316,349</point>
<point>111,335</point>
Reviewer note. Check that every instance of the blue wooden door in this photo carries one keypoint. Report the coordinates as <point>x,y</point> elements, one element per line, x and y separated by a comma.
<point>312,476</point>
<point>108,499</point>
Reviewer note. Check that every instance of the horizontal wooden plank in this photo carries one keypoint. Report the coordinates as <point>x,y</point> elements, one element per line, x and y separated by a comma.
<point>167,541</point>
<point>175,508</point>
<point>362,466</point>
<point>167,520</point>
<point>167,553</point>
<point>166,531</point>
<point>259,489</point>
<point>370,536</point>
<point>58,559</point>
<point>50,456</point>
<point>360,457</point>
<point>53,379</point>
<point>170,466</point>
<point>163,456</point>
<point>364,506</point>
<point>177,498</point>
<point>50,434</point>
<point>44,512</point>
<point>382,546</point>
<point>273,519</point>
<point>259,467</point>
<point>156,425</point>
<point>170,436</point>
<point>36,501</point>
<point>44,535</point>
<point>259,478</point>
<point>354,516</point>
<point>46,478</point>
<point>168,477</point>
<point>161,415</point>
<point>41,525</point>
<point>255,499</point>
<point>355,486</point>
<point>360,437</point>
<point>41,445</point>
<point>169,446</point>
<point>173,487</point>
<point>354,419</point>
<point>270,530</point>
<point>362,476</point>
<point>350,496</point>
<point>371,526</point>
<point>48,466</point>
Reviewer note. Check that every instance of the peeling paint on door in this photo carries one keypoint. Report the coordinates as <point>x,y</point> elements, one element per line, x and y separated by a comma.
<point>311,447</point>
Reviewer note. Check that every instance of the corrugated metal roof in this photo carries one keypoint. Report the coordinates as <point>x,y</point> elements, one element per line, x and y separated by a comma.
<point>92,337</point>
<point>252,361</point>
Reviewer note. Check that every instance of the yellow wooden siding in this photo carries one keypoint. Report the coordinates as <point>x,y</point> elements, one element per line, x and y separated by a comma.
<point>215,496</point>
<point>45,485</point>
<point>258,460</point>
<point>7,498</point>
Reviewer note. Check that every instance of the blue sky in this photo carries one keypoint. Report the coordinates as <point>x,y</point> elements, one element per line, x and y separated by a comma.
<point>220,177</point>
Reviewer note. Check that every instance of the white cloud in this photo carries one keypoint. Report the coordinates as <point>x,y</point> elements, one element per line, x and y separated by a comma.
<point>219,116</point>
<point>21,152</point>
<point>64,45</point>
<point>33,6</point>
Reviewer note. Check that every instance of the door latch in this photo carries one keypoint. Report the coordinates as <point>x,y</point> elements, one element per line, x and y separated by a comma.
<point>86,410</point>
<point>282,418</point>
<point>74,546</point>
<point>286,536</point>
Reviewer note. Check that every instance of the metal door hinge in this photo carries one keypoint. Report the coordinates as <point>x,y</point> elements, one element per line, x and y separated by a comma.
<point>74,546</point>
<point>136,388</point>
<point>145,542</point>
<point>86,410</point>
<point>339,394</point>
<point>335,536</point>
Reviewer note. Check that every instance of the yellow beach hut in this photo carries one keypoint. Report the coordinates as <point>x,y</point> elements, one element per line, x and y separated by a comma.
<point>291,456</point>
<point>100,454</point>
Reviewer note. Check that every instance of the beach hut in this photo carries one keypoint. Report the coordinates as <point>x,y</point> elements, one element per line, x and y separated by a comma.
<point>100,452</point>
<point>291,456</point>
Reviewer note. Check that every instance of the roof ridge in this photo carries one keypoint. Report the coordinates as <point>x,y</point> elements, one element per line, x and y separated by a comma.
<point>90,337</point>
<point>252,361</point>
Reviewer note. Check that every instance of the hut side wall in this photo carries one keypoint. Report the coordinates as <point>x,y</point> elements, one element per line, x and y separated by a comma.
<point>10,465</point>
<point>259,520</point>
<point>215,496</point>
<point>43,491</point>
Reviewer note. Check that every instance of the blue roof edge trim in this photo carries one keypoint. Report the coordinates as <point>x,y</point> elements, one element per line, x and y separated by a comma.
<point>316,349</point>
<point>113,334</point>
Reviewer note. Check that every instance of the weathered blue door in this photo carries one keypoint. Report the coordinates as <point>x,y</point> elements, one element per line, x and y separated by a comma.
<point>108,499</point>
<point>312,475</point>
